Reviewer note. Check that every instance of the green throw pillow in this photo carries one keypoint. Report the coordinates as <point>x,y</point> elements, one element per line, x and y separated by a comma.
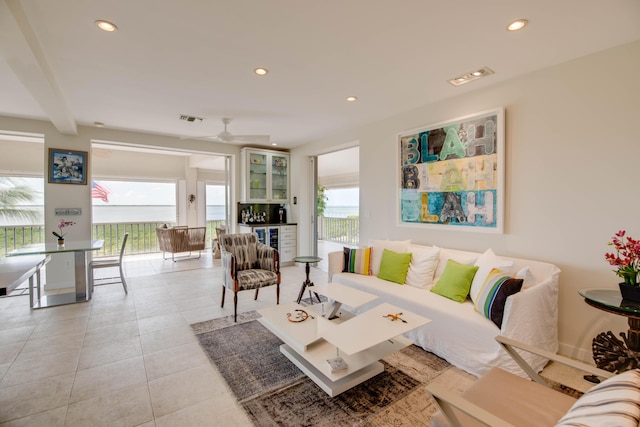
<point>455,281</point>
<point>394,266</point>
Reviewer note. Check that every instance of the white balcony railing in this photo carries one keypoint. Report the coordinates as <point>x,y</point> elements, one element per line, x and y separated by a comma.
<point>143,240</point>
<point>339,230</point>
<point>142,236</point>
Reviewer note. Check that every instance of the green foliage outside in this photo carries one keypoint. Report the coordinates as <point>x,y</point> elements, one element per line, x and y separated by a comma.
<point>321,200</point>
<point>17,237</point>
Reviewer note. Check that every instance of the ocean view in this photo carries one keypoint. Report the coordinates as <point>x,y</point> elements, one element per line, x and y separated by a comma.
<point>164,213</point>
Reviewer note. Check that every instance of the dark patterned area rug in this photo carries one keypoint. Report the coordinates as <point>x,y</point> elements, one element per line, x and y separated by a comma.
<point>273,391</point>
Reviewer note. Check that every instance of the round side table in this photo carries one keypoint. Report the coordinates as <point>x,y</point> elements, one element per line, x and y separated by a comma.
<point>307,283</point>
<point>611,353</point>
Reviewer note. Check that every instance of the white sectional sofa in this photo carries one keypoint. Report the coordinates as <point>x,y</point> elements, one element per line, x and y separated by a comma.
<point>457,332</point>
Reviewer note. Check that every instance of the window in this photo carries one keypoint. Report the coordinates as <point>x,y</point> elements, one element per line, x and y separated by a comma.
<point>133,201</point>
<point>215,202</point>
<point>342,202</point>
<point>21,201</point>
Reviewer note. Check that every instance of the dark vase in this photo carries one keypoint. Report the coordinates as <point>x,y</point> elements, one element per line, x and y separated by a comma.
<point>630,292</point>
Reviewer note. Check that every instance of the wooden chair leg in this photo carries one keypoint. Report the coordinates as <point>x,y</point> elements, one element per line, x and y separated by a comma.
<point>256,296</point>
<point>277,293</point>
<point>235,307</point>
<point>223,289</point>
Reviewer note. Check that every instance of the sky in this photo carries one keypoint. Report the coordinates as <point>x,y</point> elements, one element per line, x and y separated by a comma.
<point>343,197</point>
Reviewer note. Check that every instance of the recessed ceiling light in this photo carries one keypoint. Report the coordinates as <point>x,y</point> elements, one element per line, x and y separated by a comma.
<point>274,144</point>
<point>471,76</point>
<point>518,24</point>
<point>106,25</point>
<point>261,71</point>
<point>352,98</point>
<point>98,124</point>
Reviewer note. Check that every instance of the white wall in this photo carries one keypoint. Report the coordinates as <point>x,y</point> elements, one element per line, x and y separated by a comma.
<point>109,164</point>
<point>572,153</point>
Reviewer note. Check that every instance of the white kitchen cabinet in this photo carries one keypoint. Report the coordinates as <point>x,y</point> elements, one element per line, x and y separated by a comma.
<point>265,176</point>
<point>286,239</point>
<point>288,244</point>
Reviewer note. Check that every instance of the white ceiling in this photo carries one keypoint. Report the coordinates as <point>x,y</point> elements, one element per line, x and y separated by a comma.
<point>196,57</point>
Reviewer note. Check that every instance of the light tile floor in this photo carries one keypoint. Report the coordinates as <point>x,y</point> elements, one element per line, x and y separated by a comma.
<point>125,360</point>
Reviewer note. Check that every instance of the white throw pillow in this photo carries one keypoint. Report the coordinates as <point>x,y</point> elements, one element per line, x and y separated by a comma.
<point>424,261</point>
<point>487,262</point>
<point>446,255</point>
<point>527,276</point>
<point>378,247</point>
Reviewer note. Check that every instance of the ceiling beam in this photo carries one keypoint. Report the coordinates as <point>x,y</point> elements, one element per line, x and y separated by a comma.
<point>27,60</point>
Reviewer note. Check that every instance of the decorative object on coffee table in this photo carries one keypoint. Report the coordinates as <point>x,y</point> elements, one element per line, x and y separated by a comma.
<point>337,364</point>
<point>298,316</point>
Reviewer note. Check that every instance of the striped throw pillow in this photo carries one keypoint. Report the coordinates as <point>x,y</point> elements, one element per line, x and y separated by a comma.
<point>495,290</point>
<point>357,261</point>
<point>613,402</point>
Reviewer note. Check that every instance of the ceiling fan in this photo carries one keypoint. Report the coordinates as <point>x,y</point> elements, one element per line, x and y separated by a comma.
<point>227,137</point>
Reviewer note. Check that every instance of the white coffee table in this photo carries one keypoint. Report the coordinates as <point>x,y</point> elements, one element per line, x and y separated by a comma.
<point>339,294</point>
<point>361,341</point>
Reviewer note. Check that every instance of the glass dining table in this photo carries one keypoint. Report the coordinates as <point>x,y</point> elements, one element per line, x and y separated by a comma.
<point>81,250</point>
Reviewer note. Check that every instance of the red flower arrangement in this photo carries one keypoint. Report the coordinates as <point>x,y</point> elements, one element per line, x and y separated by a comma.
<point>626,257</point>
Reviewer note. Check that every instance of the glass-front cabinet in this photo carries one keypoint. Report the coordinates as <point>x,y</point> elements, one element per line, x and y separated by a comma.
<point>265,175</point>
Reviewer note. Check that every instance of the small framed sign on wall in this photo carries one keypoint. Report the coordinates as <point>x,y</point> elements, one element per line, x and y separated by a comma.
<point>67,166</point>
<point>451,174</point>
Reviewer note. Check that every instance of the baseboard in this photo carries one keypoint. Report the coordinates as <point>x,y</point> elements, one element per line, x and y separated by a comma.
<point>577,353</point>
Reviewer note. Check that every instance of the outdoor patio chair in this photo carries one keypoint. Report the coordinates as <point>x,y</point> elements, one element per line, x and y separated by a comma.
<point>216,241</point>
<point>248,264</point>
<point>181,239</point>
<point>501,399</point>
<point>111,263</point>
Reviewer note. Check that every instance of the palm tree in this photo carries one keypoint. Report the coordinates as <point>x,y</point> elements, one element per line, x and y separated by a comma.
<point>11,195</point>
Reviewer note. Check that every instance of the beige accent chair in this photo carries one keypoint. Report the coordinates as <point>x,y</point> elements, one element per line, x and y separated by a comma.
<point>180,239</point>
<point>502,399</point>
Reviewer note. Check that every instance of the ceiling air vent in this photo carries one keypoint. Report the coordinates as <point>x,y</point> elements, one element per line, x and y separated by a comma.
<point>190,118</point>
